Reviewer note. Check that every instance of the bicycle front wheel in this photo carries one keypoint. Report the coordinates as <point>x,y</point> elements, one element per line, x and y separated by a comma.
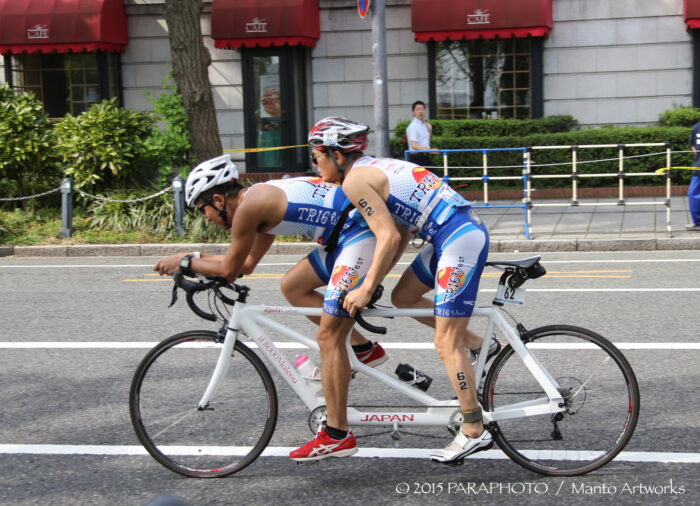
<point>225,436</point>
<point>601,399</point>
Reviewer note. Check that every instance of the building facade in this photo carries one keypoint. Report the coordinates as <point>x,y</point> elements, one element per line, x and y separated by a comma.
<point>279,65</point>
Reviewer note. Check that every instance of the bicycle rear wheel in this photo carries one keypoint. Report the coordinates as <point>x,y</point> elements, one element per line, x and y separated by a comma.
<point>600,392</point>
<point>226,436</point>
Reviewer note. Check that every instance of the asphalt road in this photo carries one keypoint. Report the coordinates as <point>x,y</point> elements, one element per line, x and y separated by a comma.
<point>74,329</point>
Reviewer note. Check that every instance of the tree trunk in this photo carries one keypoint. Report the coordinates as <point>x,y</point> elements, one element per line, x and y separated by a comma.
<point>191,62</point>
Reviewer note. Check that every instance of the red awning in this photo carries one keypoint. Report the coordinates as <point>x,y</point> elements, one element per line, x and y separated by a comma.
<point>62,25</point>
<point>250,23</point>
<point>691,13</point>
<point>472,19</point>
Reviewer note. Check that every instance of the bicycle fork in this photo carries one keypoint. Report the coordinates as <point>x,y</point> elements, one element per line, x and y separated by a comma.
<point>222,364</point>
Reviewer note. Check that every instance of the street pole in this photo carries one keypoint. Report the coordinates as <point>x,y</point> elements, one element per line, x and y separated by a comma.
<point>381,100</point>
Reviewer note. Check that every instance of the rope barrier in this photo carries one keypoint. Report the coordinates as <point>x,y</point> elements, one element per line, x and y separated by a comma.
<point>258,150</point>
<point>126,201</point>
<point>86,194</point>
<point>10,199</point>
<point>664,169</point>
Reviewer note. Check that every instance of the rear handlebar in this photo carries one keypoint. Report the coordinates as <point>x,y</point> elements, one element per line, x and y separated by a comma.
<point>358,316</point>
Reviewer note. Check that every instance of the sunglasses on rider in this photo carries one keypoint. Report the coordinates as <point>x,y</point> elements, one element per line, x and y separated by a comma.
<point>205,204</point>
<point>314,158</point>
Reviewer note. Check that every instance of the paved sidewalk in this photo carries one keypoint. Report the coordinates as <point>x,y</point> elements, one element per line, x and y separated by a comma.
<point>634,226</point>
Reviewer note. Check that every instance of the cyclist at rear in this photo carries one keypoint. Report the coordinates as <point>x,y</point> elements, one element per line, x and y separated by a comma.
<point>416,200</point>
<point>255,215</point>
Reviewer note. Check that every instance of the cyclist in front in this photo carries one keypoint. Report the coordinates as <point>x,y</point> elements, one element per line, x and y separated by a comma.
<point>394,195</point>
<point>305,206</point>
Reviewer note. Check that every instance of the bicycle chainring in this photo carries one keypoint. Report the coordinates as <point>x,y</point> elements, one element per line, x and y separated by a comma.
<point>316,419</point>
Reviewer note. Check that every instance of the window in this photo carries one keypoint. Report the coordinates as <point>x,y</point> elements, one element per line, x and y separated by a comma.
<point>66,82</point>
<point>274,98</point>
<point>485,78</point>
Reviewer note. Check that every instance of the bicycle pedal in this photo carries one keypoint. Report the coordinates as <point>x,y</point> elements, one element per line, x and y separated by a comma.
<point>453,463</point>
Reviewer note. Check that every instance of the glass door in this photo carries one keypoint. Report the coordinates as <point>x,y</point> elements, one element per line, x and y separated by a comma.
<point>274,108</point>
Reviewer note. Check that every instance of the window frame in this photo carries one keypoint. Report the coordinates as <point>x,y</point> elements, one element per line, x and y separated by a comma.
<point>536,77</point>
<point>294,63</point>
<point>108,63</point>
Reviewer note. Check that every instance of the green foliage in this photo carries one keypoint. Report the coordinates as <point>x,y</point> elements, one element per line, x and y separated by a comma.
<point>152,216</point>
<point>27,164</point>
<point>155,216</point>
<point>682,116</point>
<point>28,227</point>
<point>489,127</point>
<point>676,136</point>
<point>103,147</point>
<point>169,146</point>
<point>200,230</point>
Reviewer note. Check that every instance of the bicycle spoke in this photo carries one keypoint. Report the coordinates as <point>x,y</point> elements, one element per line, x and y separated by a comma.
<point>176,422</point>
<point>224,437</point>
<point>601,403</point>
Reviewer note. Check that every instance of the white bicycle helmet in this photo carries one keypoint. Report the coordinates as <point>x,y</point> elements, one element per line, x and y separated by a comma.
<point>209,174</point>
<point>339,133</point>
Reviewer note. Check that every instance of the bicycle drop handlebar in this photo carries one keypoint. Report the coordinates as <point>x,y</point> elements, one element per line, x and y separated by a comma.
<point>214,283</point>
<point>358,316</point>
<point>217,283</point>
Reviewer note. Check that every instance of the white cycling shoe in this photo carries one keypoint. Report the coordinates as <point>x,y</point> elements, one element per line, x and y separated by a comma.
<point>461,446</point>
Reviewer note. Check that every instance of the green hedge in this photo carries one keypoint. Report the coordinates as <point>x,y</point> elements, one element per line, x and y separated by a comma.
<point>491,128</point>
<point>683,116</point>
<point>676,136</point>
<point>104,148</point>
<point>27,148</point>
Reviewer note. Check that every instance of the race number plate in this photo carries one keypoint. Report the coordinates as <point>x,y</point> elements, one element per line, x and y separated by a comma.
<point>506,295</point>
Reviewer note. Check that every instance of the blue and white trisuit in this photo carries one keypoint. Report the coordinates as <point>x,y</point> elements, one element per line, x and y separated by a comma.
<point>313,210</point>
<point>458,242</point>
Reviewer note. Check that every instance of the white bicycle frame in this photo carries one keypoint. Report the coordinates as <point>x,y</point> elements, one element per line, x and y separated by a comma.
<point>249,319</point>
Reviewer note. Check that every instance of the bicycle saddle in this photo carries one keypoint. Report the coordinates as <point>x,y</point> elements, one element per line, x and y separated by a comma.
<point>525,263</point>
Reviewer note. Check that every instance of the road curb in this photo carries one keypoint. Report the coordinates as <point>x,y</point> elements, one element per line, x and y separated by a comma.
<point>303,248</point>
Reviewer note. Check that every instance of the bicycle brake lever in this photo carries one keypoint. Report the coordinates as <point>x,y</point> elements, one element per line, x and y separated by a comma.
<point>173,299</point>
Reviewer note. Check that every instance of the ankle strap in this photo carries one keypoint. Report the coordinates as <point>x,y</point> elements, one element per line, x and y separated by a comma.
<point>472,416</point>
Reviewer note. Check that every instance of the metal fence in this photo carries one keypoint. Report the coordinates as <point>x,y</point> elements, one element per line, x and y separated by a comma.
<point>531,171</point>
<point>68,191</point>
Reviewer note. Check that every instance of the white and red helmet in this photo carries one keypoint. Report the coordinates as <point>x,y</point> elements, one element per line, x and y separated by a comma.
<point>208,174</point>
<point>339,133</point>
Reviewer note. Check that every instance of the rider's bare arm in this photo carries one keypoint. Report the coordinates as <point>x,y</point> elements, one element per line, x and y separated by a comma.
<point>260,207</point>
<point>260,247</point>
<point>364,187</point>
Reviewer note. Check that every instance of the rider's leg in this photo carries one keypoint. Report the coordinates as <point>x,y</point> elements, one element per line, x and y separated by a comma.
<point>408,293</point>
<point>335,368</point>
<point>334,439</point>
<point>461,249</point>
<point>352,261</point>
<point>299,286</point>
<point>448,344</point>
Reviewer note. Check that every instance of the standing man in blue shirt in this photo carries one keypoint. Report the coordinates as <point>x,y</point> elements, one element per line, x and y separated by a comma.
<point>418,135</point>
<point>694,188</point>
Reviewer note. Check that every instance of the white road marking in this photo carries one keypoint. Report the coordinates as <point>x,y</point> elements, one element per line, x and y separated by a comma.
<point>272,264</point>
<point>604,290</point>
<point>283,451</point>
<point>128,345</point>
